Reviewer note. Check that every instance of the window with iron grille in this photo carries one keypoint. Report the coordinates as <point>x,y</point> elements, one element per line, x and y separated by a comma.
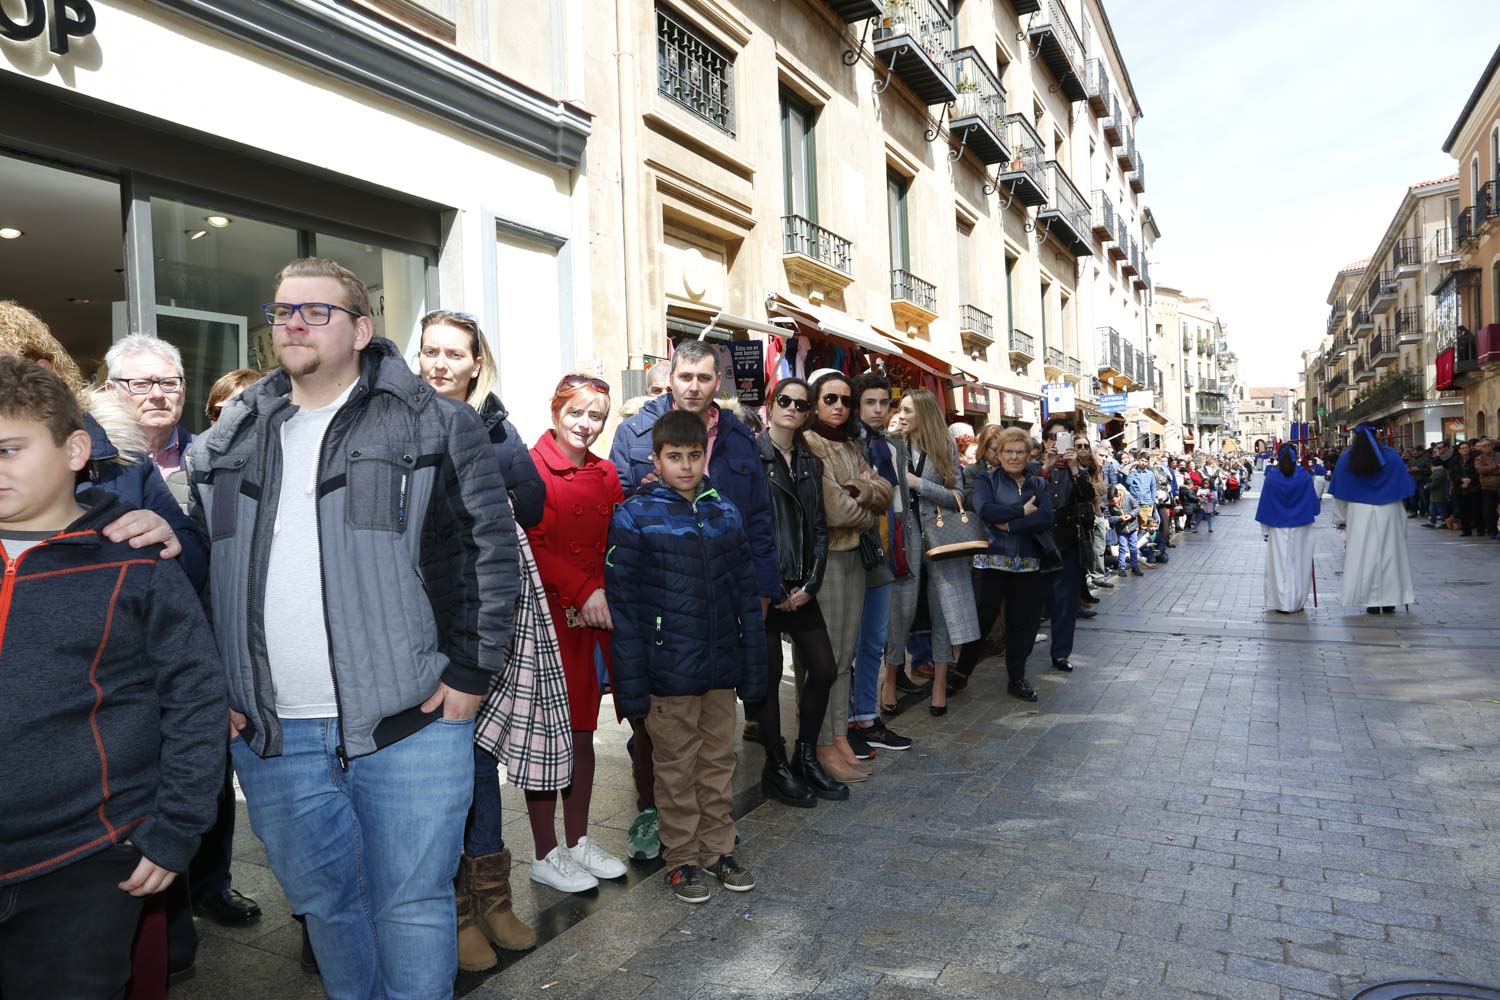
<point>693,71</point>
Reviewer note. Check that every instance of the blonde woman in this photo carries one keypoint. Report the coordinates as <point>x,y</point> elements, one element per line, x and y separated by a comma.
<point>854,496</point>
<point>926,459</point>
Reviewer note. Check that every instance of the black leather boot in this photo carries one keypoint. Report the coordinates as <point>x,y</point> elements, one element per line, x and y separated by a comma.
<point>779,782</point>
<point>805,766</point>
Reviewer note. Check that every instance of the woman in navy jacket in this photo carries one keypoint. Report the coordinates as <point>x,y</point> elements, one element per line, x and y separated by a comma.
<point>1017,510</point>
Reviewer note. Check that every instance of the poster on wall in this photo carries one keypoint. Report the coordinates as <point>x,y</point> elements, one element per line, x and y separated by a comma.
<point>1453,429</point>
<point>1444,369</point>
<point>749,369</point>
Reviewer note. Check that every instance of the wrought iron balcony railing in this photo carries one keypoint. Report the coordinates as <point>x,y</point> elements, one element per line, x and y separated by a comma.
<point>1025,176</point>
<point>907,287</point>
<point>1057,43</point>
<point>1103,217</point>
<point>1074,367</point>
<point>1465,226</point>
<point>1383,289</point>
<point>1407,253</point>
<point>806,237</point>
<point>926,24</point>
<point>1382,347</point>
<point>1022,344</point>
<point>1109,342</point>
<point>975,320</point>
<point>1137,177</point>
<point>1054,358</point>
<point>1362,319</point>
<point>1442,245</point>
<point>1489,201</point>
<point>977,119</point>
<point>1096,82</point>
<point>1408,324</point>
<point>694,72</point>
<point>1066,205</point>
<point>1127,359</point>
<point>1114,124</point>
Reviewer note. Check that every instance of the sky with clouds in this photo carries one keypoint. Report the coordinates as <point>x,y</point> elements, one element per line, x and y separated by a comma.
<point>1279,138</point>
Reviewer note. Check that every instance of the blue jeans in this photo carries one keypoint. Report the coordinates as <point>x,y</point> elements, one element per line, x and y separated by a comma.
<point>368,854</point>
<point>482,834</point>
<point>1128,542</point>
<point>1437,511</point>
<point>869,652</point>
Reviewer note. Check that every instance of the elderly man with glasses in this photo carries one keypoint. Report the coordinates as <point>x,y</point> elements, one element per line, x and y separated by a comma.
<point>146,374</point>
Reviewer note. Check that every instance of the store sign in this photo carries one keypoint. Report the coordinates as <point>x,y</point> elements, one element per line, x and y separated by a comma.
<point>749,371</point>
<point>1059,397</point>
<point>66,19</point>
<point>1444,368</point>
<point>1112,402</point>
<point>976,399</point>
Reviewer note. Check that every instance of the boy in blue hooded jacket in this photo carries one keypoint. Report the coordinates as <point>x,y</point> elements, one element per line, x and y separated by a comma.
<point>688,635</point>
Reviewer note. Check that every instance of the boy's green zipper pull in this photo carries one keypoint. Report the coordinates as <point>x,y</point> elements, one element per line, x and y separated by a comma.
<point>658,630</point>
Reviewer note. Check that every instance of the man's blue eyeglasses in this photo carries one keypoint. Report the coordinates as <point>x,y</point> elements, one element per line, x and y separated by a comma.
<point>313,313</point>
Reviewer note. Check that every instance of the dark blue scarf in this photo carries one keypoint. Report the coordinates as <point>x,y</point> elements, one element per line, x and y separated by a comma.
<point>1287,501</point>
<point>1389,484</point>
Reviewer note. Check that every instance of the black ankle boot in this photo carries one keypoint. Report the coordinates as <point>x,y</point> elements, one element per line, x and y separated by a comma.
<point>779,782</point>
<point>805,766</point>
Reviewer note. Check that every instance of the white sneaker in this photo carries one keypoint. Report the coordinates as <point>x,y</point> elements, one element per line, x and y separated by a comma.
<point>596,860</point>
<point>561,872</point>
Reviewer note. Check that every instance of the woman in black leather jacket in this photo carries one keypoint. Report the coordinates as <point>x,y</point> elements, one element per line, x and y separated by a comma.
<point>795,479</point>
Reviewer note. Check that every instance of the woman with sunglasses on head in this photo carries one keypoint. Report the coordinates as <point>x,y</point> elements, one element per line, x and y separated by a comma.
<point>795,478</point>
<point>927,458</point>
<point>454,359</point>
<point>854,495</point>
<point>570,544</point>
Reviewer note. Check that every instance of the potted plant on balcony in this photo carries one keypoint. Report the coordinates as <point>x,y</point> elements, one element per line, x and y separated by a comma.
<point>967,105</point>
<point>898,19</point>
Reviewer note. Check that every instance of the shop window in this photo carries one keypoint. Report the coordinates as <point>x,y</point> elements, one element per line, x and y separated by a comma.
<point>214,271</point>
<point>693,71</point>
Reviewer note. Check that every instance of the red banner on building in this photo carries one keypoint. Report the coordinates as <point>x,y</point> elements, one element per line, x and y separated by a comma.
<point>1444,368</point>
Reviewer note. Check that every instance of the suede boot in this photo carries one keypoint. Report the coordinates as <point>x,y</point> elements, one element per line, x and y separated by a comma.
<point>489,880</point>
<point>474,951</point>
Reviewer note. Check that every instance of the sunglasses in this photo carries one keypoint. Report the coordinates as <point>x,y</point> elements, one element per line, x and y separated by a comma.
<point>573,381</point>
<point>829,398</point>
<point>784,401</point>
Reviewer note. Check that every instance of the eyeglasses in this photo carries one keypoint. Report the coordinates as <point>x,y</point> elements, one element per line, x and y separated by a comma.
<point>313,313</point>
<point>784,401</point>
<point>830,398</point>
<point>573,381</point>
<point>142,386</point>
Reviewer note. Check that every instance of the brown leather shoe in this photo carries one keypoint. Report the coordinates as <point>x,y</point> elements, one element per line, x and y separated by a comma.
<point>834,766</point>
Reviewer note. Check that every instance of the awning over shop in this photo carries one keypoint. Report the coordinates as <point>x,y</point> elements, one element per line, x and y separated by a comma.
<point>711,325</point>
<point>1155,416</point>
<point>832,323</point>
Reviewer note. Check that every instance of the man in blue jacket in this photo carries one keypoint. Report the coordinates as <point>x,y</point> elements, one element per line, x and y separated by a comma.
<point>734,467</point>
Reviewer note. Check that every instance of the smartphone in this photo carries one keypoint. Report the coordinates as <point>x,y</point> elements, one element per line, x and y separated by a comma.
<point>1064,441</point>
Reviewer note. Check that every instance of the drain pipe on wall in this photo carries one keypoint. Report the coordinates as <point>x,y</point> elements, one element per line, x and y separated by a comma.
<point>628,79</point>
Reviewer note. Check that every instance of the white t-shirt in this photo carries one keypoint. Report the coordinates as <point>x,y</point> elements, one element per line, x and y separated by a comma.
<point>296,634</point>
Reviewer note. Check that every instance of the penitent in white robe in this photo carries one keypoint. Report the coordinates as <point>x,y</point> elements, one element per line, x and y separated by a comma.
<point>1320,483</point>
<point>1377,569</point>
<point>1289,567</point>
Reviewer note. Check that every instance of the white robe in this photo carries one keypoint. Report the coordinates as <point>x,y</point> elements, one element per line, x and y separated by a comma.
<point>1377,569</point>
<point>1289,567</point>
<point>1320,483</point>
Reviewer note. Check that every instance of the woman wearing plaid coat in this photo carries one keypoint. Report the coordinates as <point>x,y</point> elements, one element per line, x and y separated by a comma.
<point>582,492</point>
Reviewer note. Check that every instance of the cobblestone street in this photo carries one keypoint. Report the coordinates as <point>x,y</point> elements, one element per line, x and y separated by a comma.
<point>1220,802</point>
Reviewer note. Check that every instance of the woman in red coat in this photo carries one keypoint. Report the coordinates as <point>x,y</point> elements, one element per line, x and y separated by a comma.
<point>569,545</point>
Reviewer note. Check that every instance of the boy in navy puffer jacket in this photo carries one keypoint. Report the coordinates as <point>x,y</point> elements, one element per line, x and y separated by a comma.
<point>688,635</point>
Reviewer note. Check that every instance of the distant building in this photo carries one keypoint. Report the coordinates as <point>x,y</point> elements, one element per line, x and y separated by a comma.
<point>1265,417</point>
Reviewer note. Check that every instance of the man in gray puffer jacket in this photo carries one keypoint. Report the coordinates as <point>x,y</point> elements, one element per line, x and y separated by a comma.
<point>362,579</point>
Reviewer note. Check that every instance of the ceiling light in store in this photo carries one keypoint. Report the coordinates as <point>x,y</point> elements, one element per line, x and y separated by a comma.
<point>196,234</point>
<point>81,301</point>
<point>218,221</point>
<point>8,233</point>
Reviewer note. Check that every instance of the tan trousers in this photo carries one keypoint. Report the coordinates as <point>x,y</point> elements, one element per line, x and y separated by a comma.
<point>692,740</point>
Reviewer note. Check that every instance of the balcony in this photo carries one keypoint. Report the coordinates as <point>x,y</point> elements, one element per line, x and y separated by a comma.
<point>1442,248</point>
<point>1137,177</point>
<point>913,301</point>
<point>1096,82</point>
<point>1389,391</point>
<point>914,39</point>
<point>1140,367</point>
<point>1052,364</point>
<point>976,328</point>
<point>850,11</point>
<point>1073,369</point>
<point>1113,125</point>
<point>1127,362</point>
<point>1383,291</point>
<point>1362,320</point>
<point>1025,176</point>
<point>1120,249</point>
<point>1336,314</point>
<point>1210,419</point>
<point>1486,208</point>
<point>1336,380</point>
<point>1024,7</point>
<point>1406,255</point>
<point>977,120</point>
<point>1465,227</point>
<point>1408,325</point>
<point>1103,217</point>
<point>1110,362</point>
<point>1066,213</point>
<point>1022,348</point>
<point>1126,147</point>
<point>815,255</point>
<point>1364,369</point>
<point>1382,348</point>
<point>1130,265</point>
<point>1056,40</point>
<point>1143,280</point>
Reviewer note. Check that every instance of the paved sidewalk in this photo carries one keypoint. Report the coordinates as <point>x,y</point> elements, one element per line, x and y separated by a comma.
<point>1220,802</point>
